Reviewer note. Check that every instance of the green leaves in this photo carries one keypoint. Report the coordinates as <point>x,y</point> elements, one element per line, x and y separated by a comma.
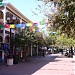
<point>66,19</point>
<point>1,26</point>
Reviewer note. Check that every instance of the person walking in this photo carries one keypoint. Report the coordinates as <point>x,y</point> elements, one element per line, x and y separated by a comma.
<point>71,52</point>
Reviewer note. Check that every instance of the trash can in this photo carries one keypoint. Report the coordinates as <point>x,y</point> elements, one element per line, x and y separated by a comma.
<point>10,60</point>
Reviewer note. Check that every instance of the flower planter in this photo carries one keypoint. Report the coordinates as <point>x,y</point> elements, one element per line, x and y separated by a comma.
<point>10,61</point>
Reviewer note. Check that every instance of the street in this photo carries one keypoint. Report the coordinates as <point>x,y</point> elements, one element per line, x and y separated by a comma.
<point>53,64</point>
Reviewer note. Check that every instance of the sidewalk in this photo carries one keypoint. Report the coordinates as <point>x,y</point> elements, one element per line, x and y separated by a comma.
<point>60,66</point>
<point>54,64</point>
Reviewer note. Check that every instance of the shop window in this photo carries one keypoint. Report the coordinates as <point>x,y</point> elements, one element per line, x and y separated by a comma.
<point>1,15</point>
<point>7,39</point>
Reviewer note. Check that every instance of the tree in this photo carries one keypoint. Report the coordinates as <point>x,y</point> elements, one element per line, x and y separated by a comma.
<point>65,20</point>
<point>63,17</point>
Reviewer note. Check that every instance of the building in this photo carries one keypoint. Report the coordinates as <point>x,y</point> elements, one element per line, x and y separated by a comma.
<point>9,15</point>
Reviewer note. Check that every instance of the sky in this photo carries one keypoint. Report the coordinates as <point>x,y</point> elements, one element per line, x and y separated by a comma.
<point>26,7</point>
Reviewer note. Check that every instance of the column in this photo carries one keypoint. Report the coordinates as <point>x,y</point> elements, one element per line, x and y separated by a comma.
<point>31,49</point>
<point>4,20</point>
<point>21,23</point>
<point>37,50</point>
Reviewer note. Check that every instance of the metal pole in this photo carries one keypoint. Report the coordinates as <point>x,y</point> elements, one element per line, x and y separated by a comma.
<point>11,49</point>
<point>4,20</point>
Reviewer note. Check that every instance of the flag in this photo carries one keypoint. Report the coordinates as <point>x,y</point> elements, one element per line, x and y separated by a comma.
<point>12,25</point>
<point>1,26</point>
<point>27,28</point>
<point>30,28</point>
<point>42,22</point>
<point>35,24</point>
<point>23,25</point>
<point>33,30</point>
<point>29,24</point>
<point>1,22</point>
<point>7,26</point>
<point>18,25</point>
<point>37,30</point>
<point>8,18</point>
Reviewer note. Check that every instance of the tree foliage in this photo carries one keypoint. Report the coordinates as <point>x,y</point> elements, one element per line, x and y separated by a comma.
<point>64,18</point>
<point>27,37</point>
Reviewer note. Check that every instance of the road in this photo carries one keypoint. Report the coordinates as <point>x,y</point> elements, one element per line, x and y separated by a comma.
<point>53,64</point>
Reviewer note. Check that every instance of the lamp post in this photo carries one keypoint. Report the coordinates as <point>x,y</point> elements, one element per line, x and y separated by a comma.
<point>10,49</point>
<point>10,57</point>
<point>4,20</point>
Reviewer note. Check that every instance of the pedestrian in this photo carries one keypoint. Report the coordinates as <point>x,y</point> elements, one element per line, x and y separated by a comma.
<point>71,51</point>
<point>62,51</point>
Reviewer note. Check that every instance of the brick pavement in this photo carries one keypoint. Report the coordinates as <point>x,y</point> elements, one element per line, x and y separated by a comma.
<point>54,64</point>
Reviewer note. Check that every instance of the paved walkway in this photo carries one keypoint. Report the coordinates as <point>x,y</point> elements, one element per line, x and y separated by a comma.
<point>54,64</point>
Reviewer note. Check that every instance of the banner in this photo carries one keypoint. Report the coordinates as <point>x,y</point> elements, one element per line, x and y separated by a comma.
<point>33,30</point>
<point>1,26</point>
<point>35,24</point>
<point>12,25</point>
<point>23,25</point>
<point>42,22</point>
<point>37,30</point>
<point>6,26</point>
<point>29,24</point>
<point>30,28</point>
<point>27,28</point>
<point>17,25</point>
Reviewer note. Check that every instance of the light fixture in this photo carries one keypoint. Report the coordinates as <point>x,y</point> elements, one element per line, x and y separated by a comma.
<point>14,17</point>
<point>8,18</point>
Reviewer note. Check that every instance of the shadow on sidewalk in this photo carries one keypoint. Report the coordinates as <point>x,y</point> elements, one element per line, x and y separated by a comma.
<point>29,67</point>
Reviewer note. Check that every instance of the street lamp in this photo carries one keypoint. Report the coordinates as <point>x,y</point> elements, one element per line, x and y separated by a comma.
<point>10,57</point>
<point>10,48</point>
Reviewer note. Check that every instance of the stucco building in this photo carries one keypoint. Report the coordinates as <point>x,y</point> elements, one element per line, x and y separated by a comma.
<point>9,15</point>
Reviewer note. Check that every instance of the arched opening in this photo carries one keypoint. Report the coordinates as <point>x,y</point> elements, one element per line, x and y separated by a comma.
<point>0,39</point>
<point>1,17</point>
<point>1,14</point>
<point>7,39</point>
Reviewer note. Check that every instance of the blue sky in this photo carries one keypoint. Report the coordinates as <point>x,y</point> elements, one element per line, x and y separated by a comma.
<point>26,7</point>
